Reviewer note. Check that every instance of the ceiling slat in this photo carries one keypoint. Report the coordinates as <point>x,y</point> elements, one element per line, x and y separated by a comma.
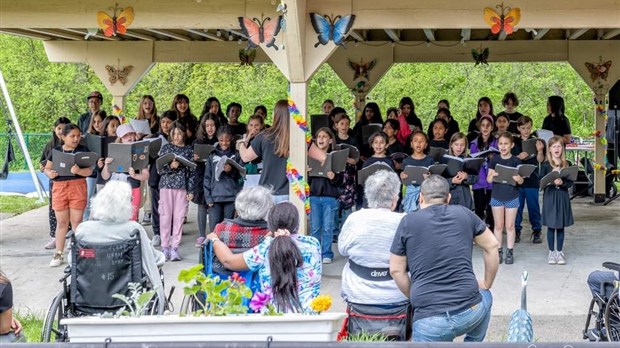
<point>169,34</point>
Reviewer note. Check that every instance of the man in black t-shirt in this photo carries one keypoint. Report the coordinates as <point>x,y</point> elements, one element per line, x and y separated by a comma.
<point>435,244</point>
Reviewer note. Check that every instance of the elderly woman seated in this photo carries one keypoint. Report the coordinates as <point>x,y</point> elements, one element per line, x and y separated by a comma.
<point>249,228</point>
<point>366,238</point>
<point>111,208</point>
<point>10,328</point>
<point>288,264</point>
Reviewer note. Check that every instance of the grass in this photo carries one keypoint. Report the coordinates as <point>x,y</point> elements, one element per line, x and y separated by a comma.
<point>15,204</point>
<point>32,325</point>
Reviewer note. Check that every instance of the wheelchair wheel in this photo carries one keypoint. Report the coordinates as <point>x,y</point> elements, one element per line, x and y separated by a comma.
<point>52,330</point>
<point>612,317</point>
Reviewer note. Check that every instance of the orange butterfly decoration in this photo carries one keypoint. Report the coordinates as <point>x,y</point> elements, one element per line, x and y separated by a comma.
<point>500,21</point>
<point>112,25</point>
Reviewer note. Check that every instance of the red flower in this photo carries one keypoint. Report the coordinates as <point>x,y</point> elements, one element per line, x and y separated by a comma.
<point>237,278</point>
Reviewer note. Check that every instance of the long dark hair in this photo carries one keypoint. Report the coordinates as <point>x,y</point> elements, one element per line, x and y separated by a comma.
<point>56,141</point>
<point>412,115</point>
<point>376,117</point>
<point>557,106</point>
<point>201,134</point>
<point>284,258</point>
<point>207,106</point>
<point>488,101</point>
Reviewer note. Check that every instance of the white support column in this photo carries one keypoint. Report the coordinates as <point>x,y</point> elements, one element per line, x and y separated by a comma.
<point>299,94</point>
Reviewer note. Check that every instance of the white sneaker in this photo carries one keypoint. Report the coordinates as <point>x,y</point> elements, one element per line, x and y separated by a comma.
<point>156,240</point>
<point>58,259</point>
<point>560,257</point>
<point>51,244</point>
<point>552,259</point>
<point>327,260</point>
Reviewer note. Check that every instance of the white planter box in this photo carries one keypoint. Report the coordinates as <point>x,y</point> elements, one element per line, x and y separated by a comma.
<point>252,327</point>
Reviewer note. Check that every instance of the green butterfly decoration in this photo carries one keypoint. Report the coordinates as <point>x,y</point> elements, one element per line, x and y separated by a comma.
<point>480,56</point>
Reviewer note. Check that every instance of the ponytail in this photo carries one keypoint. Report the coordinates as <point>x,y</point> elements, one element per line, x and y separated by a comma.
<point>284,257</point>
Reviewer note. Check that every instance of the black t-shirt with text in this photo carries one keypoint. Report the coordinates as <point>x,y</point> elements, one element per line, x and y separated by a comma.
<point>504,192</point>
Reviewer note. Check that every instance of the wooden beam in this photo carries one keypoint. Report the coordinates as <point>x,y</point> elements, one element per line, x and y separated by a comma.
<point>430,35</point>
<point>610,34</point>
<point>541,32</point>
<point>354,34</point>
<point>576,34</point>
<point>56,34</point>
<point>169,34</point>
<point>19,32</point>
<point>134,34</point>
<point>393,34</point>
<point>466,34</point>
<point>204,34</point>
<point>84,33</point>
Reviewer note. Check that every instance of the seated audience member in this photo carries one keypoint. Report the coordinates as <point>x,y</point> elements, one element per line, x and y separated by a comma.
<point>249,228</point>
<point>10,328</point>
<point>111,209</point>
<point>288,264</point>
<point>598,278</point>
<point>431,262</point>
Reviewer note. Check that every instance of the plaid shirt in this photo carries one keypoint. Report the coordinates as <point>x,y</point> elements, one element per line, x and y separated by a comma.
<point>241,234</point>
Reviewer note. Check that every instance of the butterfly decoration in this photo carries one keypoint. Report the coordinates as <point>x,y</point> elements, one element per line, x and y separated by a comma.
<point>361,69</point>
<point>600,70</point>
<point>261,31</point>
<point>112,25</point>
<point>331,28</point>
<point>502,21</point>
<point>480,56</point>
<point>247,57</point>
<point>115,73</point>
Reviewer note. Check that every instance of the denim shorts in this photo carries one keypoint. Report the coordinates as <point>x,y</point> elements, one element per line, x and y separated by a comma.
<point>513,203</point>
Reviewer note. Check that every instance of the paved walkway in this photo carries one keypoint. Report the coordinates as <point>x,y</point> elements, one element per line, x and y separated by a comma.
<point>557,295</point>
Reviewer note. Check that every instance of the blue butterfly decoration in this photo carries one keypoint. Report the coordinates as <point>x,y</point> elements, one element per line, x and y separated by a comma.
<point>329,28</point>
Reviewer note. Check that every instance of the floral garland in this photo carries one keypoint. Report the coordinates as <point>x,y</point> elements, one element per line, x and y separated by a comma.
<point>298,183</point>
<point>601,111</point>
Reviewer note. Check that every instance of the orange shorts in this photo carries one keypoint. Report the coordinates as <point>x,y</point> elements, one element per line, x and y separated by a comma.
<point>69,194</point>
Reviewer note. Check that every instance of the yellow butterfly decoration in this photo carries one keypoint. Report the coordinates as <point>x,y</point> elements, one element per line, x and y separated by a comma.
<point>112,25</point>
<point>505,22</point>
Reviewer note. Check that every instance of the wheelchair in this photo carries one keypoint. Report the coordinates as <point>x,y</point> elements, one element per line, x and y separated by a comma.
<point>97,271</point>
<point>213,267</point>
<point>606,314</point>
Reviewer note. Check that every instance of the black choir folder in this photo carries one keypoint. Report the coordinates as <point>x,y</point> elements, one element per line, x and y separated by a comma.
<point>62,161</point>
<point>415,174</point>
<point>568,173</point>
<point>134,155</point>
<point>506,173</point>
<point>169,157</point>
<point>369,130</point>
<point>436,153</point>
<point>364,173</point>
<point>336,161</point>
<point>154,146</point>
<point>471,166</point>
<point>203,151</point>
<point>98,144</point>
<point>354,152</point>
<point>485,153</point>
<point>529,146</point>
<point>219,167</point>
<point>317,122</point>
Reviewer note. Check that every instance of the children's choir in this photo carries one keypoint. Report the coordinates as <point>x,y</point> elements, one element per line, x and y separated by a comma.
<point>470,165</point>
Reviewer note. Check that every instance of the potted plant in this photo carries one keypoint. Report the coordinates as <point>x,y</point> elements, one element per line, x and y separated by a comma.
<point>223,317</point>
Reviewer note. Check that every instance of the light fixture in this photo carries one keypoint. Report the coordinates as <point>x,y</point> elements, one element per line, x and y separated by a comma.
<point>219,33</point>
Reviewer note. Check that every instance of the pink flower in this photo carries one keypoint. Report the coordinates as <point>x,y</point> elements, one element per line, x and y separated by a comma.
<point>259,301</point>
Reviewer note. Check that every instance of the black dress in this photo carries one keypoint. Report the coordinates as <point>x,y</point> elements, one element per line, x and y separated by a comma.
<point>556,209</point>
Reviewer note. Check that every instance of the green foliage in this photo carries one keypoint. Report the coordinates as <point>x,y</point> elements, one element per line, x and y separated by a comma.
<point>223,297</point>
<point>136,303</point>
<point>17,204</point>
<point>366,337</point>
<point>41,91</point>
<point>32,325</point>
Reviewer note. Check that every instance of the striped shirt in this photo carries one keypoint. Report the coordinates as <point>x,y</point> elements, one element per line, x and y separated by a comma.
<point>366,238</point>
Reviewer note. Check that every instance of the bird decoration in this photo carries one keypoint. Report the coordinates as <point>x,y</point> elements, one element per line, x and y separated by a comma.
<point>331,28</point>
<point>480,55</point>
<point>112,25</point>
<point>520,328</point>
<point>505,20</point>
<point>361,69</point>
<point>600,70</point>
<point>247,57</point>
<point>261,31</point>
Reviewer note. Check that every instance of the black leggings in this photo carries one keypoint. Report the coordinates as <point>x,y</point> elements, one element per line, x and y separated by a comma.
<point>551,233</point>
<point>482,200</point>
<point>51,214</point>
